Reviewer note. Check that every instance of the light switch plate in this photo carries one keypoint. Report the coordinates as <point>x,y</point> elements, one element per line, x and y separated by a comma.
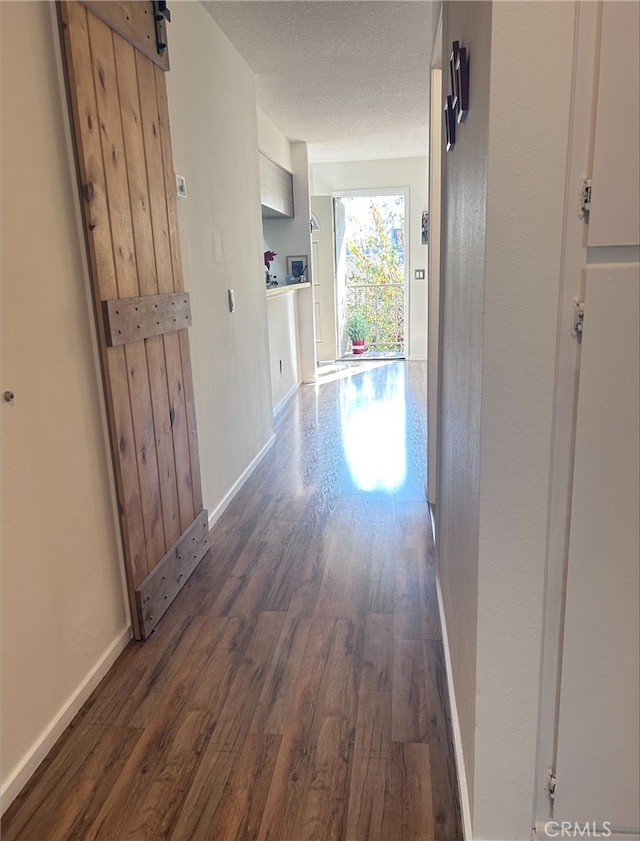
<point>181,186</point>
<point>419,274</point>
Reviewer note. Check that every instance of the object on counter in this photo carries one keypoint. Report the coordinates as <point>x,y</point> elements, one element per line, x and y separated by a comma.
<point>297,266</point>
<point>269,256</point>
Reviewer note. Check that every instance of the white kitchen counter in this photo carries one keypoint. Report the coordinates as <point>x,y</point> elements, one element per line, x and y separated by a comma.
<point>272,291</point>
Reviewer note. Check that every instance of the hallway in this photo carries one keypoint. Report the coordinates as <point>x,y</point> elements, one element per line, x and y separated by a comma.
<point>296,688</point>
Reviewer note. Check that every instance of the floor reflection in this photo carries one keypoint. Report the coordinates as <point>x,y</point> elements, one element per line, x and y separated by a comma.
<point>372,413</point>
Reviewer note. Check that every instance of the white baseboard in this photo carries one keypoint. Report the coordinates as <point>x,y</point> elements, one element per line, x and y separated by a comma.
<point>17,778</point>
<point>553,831</point>
<point>220,508</point>
<point>463,790</point>
<point>417,357</point>
<point>281,403</point>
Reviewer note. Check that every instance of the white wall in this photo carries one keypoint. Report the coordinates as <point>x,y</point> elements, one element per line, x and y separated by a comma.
<point>215,143</point>
<point>503,221</point>
<point>63,607</point>
<point>328,178</point>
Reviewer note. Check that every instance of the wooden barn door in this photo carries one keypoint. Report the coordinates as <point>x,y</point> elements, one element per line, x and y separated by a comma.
<point>118,98</point>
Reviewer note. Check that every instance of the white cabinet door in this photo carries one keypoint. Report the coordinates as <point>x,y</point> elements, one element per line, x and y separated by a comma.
<point>615,209</point>
<point>598,756</point>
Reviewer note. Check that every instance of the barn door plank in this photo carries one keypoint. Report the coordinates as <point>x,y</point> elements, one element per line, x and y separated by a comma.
<point>170,279</point>
<point>170,192</point>
<point>113,159</point>
<point>179,428</point>
<point>169,179</point>
<point>189,505</point>
<point>94,192</point>
<point>127,79</point>
<point>164,439</point>
<point>192,430</point>
<point>155,171</point>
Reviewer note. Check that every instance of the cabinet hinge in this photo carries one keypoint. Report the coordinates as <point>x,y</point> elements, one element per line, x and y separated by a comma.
<point>550,788</point>
<point>585,196</point>
<point>578,318</point>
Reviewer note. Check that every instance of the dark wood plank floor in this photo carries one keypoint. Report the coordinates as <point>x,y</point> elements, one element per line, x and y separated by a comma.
<point>296,689</point>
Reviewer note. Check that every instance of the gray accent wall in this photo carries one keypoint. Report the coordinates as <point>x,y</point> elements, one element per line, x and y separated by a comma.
<point>503,193</point>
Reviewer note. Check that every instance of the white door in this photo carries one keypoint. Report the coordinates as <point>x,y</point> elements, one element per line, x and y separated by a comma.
<point>340,261</point>
<point>324,286</point>
<point>598,740</point>
<point>614,218</point>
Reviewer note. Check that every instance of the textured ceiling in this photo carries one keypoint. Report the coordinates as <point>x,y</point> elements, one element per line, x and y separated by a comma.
<point>349,78</point>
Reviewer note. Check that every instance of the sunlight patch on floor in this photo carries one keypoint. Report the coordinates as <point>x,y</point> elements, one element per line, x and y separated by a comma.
<point>329,372</point>
<point>374,431</point>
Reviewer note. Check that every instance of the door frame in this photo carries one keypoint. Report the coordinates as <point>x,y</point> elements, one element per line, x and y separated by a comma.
<point>433,269</point>
<point>385,191</point>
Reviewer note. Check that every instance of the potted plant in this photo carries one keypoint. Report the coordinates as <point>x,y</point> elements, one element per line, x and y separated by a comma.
<point>269,257</point>
<point>357,330</point>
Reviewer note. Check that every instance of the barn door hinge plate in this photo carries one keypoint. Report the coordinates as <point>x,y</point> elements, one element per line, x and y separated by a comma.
<point>578,318</point>
<point>550,787</point>
<point>585,196</point>
<point>162,15</point>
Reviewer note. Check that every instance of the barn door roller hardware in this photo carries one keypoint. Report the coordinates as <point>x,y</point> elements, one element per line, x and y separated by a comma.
<point>161,15</point>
